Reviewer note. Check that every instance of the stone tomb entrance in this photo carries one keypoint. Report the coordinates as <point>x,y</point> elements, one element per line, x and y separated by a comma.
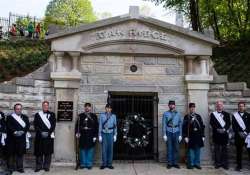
<point>133,103</point>
<point>129,53</point>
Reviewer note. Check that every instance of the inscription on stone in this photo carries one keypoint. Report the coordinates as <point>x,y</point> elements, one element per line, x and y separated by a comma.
<point>131,33</point>
<point>65,111</point>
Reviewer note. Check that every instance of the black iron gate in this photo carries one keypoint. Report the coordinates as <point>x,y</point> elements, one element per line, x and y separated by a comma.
<point>144,104</point>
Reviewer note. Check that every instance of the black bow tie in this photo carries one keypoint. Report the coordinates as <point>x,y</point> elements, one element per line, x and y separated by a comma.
<point>219,112</point>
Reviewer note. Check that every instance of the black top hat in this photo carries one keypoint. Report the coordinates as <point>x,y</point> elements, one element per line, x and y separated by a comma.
<point>191,105</point>
<point>171,102</point>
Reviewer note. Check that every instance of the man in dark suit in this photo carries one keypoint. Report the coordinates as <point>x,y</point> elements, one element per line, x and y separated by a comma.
<point>17,127</point>
<point>241,127</point>
<point>220,123</point>
<point>193,134</point>
<point>44,124</point>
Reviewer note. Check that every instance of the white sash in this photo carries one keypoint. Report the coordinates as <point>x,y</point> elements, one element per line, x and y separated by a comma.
<point>219,118</point>
<point>19,120</point>
<point>45,119</point>
<point>240,120</point>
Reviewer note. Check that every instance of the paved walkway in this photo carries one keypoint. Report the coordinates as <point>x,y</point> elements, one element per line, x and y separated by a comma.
<point>136,169</point>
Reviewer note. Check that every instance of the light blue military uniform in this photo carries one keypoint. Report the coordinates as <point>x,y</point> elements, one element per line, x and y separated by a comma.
<point>107,130</point>
<point>172,128</point>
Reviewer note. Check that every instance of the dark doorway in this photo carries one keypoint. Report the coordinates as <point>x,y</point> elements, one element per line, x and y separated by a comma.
<point>145,104</point>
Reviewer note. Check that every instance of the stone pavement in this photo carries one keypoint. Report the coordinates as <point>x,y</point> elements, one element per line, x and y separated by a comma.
<point>147,168</point>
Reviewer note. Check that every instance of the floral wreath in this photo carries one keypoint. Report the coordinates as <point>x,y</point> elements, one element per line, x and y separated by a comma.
<point>135,131</point>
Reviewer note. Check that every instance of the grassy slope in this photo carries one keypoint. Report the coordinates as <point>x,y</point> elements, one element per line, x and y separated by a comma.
<point>18,58</point>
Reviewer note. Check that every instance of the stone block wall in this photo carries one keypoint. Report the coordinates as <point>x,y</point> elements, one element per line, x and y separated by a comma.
<point>164,75</point>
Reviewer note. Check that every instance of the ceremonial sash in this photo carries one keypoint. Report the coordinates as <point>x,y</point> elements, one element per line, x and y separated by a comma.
<point>219,118</point>
<point>19,120</point>
<point>45,119</point>
<point>240,121</point>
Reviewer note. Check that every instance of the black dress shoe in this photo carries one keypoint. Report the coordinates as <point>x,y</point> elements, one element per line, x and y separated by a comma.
<point>111,167</point>
<point>225,167</point>
<point>9,172</point>
<point>197,167</point>
<point>176,166</point>
<point>81,167</point>
<point>217,166</point>
<point>237,168</point>
<point>37,170</point>
<point>46,169</point>
<point>102,167</point>
<point>20,171</point>
<point>190,167</point>
<point>89,167</point>
<point>169,166</point>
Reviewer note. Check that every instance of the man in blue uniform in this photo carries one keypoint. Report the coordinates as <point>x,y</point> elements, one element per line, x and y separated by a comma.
<point>172,130</point>
<point>107,136</point>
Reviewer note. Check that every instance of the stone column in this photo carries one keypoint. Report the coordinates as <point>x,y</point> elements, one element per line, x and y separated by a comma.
<point>203,63</point>
<point>190,64</point>
<point>198,86</point>
<point>59,60</point>
<point>75,58</point>
<point>66,86</point>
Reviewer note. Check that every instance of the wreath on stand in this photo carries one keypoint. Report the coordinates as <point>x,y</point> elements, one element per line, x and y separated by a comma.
<point>136,131</point>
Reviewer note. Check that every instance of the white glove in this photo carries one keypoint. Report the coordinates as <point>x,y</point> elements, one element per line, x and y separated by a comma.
<point>180,138</point>
<point>115,138</point>
<point>186,139</point>
<point>165,138</point>
<point>4,136</point>
<point>94,139</point>
<point>78,135</point>
<point>100,139</point>
<point>203,138</point>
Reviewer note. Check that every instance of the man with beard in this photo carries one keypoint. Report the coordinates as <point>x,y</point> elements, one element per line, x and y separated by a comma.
<point>220,123</point>
<point>241,127</point>
<point>44,124</point>
<point>193,134</point>
<point>87,131</point>
<point>17,131</point>
<point>172,131</point>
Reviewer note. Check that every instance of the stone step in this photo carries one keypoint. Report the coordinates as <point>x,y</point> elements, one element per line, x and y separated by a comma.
<point>220,79</point>
<point>236,86</point>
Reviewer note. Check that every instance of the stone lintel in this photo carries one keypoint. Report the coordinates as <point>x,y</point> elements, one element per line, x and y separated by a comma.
<point>198,86</point>
<point>66,76</point>
<point>74,53</point>
<point>67,84</point>
<point>58,53</point>
<point>198,78</point>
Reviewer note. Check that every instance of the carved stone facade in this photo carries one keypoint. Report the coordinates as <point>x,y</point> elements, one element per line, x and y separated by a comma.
<point>124,54</point>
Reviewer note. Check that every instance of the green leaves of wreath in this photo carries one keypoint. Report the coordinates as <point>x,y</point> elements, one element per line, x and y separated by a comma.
<point>136,131</point>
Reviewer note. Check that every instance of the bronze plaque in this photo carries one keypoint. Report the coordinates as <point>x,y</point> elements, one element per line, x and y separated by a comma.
<point>65,111</point>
